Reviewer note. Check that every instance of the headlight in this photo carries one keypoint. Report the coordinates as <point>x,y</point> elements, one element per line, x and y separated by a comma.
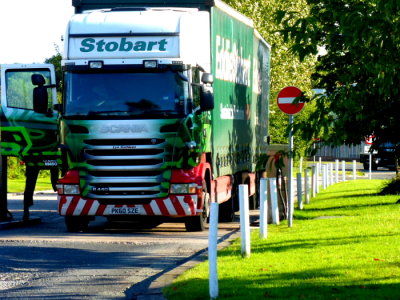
<point>68,189</point>
<point>182,188</point>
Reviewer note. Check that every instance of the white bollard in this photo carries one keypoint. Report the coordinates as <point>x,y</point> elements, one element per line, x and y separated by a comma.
<point>301,165</point>
<point>244,219</point>
<point>263,208</point>
<point>274,201</point>
<point>299,191</point>
<point>337,171</point>
<point>354,170</point>
<point>306,185</point>
<point>324,179</point>
<point>317,178</point>
<point>313,181</point>
<point>328,175</point>
<point>370,166</point>
<point>331,177</point>
<point>343,170</point>
<point>212,251</point>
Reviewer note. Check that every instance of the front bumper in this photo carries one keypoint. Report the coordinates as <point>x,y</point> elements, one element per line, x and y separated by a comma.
<point>172,206</point>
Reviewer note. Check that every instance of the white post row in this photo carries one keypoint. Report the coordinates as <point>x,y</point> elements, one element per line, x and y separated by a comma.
<point>324,175</point>
<point>337,170</point>
<point>306,185</point>
<point>317,177</point>
<point>299,191</point>
<point>313,181</point>
<point>244,219</point>
<point>343,170</point>
<point>328,175</point>
<point>370,166</point>
<point>274,201</point>
<point>263,208</point>
<point>212,251</point>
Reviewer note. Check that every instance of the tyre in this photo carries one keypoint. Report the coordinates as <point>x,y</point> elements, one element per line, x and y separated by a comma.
<point>198,223</point>
<point>226,211</point>
<point>76,224</point>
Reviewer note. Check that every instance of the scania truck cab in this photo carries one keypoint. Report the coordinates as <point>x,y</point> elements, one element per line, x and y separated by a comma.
<point>143,130</point>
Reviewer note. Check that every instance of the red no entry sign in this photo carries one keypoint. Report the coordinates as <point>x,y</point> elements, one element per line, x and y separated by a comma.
<point>369,139</point>
<point>285,100</point>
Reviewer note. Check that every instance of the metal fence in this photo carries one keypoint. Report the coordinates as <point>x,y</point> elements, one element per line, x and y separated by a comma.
<point>341,152</point>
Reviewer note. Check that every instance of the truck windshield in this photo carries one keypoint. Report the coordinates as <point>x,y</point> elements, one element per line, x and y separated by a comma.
<point>115,94</point>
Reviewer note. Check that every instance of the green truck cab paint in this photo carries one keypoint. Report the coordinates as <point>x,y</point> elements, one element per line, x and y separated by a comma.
<point>25,133</point>
<point>165,108</point>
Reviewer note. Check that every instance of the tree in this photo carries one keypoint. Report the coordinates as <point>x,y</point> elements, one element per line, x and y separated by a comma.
<point>359,72</point>
<point>56,61</point>
<point>286,68</point>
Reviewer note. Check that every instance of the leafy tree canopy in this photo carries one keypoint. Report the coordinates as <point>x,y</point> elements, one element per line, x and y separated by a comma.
<point>286,68</point>
<point>359,72</point>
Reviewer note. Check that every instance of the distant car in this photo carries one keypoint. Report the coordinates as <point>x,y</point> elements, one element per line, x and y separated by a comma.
<point>382,157</point>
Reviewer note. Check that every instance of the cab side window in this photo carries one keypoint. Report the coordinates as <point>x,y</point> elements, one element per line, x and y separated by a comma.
<point>19,88</point>
<point>196,88</point>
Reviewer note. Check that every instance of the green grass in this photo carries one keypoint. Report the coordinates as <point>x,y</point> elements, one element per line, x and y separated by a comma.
<point>344,245</point>
<point>18,185</point>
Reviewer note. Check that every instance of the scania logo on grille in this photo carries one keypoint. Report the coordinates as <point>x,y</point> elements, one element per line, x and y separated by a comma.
<point>123,128</point>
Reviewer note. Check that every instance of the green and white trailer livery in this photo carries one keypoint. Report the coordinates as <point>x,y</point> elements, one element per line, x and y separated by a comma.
<point>165,109</point>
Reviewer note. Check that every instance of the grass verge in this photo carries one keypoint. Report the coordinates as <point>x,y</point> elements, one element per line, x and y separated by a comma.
<point>344,245</point>
<point>18,185</point>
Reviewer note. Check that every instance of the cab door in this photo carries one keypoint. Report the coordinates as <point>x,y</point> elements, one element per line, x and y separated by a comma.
<point>27,134</point>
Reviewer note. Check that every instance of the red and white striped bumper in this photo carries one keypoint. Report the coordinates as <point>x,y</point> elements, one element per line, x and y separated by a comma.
<point>173,206</point>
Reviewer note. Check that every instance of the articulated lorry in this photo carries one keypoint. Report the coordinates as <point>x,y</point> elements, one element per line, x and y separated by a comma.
<point>165,110</point>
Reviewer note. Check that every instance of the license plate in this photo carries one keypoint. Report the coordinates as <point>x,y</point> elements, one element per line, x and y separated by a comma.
<point>50,163</point>
<point>125,210</point>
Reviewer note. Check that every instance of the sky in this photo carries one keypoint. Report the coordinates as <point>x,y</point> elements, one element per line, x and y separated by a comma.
<point>29,29</point>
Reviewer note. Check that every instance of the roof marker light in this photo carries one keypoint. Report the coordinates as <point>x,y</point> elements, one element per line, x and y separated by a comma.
<point>150,64</point>
<point>96,64</point>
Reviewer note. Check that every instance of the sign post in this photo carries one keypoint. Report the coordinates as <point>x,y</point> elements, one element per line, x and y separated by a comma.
<point>286,104</point>
<point>369,141</point>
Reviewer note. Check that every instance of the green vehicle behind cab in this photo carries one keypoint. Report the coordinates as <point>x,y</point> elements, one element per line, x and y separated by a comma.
<point>28,130</point>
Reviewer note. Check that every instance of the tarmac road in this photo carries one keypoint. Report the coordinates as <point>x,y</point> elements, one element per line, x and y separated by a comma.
<point>110,261</point>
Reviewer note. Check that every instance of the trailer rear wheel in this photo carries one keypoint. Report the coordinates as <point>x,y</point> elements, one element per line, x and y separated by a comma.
<point>226,213</point>
<point>198,223</point>
<point>76,224</point>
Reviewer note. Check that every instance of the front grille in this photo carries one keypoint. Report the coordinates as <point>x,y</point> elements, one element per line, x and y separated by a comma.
<point>126,171</point>
<point>129,162</point>
<point>130,142</point>
<point>124,152</point>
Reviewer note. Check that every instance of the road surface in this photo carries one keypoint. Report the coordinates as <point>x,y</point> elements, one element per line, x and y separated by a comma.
<point>110,261</point>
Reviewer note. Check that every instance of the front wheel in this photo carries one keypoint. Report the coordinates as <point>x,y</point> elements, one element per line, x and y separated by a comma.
<point>198,223</point>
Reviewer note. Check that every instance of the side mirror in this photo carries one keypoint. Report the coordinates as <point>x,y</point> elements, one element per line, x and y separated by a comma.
<point>38,79</point>
<point>206,98</point>
<point>207,78</point>
<point>40,96</point>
